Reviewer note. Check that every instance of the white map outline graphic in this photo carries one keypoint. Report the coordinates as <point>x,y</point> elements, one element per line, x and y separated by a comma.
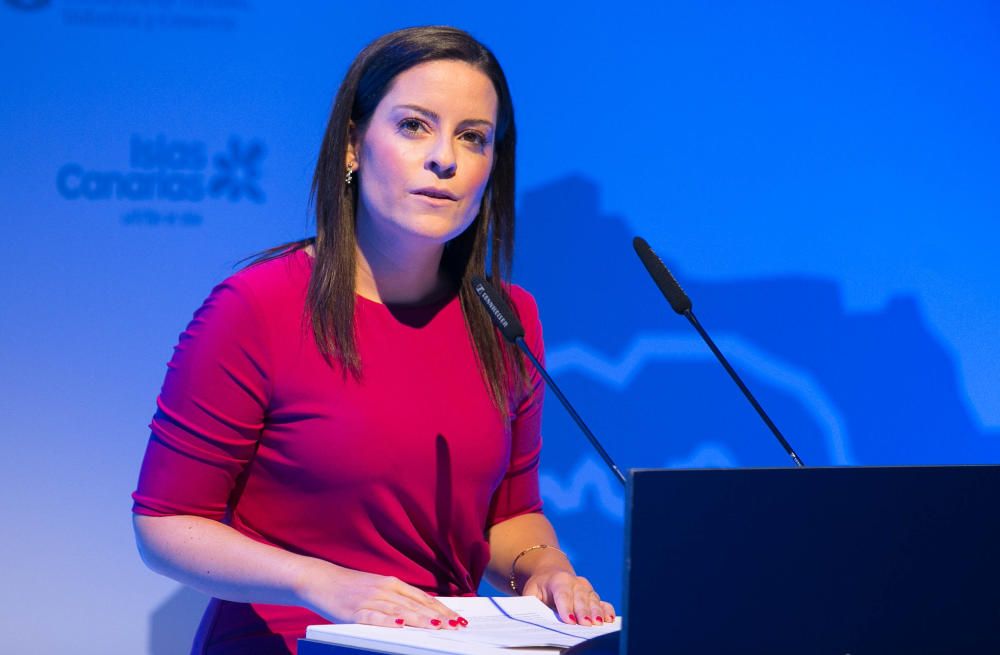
<point>658,347</point>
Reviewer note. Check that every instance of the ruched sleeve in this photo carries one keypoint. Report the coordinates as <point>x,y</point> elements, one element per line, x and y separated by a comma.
<point>210,411</point>
<point>518,492</point>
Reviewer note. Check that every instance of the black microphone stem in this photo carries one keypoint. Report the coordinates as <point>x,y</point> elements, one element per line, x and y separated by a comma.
<point>746,391</point>
<point>572,412</point>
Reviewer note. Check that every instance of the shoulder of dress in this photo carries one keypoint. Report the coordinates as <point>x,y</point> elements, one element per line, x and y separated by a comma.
<point>275,280</point>
<point>522,298</point>
<point>526,307</point>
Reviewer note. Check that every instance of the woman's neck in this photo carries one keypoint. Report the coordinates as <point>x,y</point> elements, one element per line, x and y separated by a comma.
<point>392,272</point>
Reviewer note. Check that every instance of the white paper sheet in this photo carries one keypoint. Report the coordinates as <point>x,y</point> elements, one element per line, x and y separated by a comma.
<point>495,625</point>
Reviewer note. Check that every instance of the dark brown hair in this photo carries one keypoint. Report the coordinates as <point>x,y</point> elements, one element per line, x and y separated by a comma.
<point>485,247</point>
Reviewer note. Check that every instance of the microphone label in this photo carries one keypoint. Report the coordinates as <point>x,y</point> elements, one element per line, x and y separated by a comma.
<point>481,290</point>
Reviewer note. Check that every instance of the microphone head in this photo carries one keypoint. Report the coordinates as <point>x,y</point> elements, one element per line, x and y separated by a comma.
<point>502,315</point>
<point>662,277</point>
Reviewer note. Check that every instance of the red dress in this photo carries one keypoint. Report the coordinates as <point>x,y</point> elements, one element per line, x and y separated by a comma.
<point>398,474</point>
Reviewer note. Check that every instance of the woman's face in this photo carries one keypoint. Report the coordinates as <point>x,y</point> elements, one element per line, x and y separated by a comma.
<point>425,156</point>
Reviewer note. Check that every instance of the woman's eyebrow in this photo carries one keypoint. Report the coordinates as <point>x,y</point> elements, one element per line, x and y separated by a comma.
<point>436,118</point>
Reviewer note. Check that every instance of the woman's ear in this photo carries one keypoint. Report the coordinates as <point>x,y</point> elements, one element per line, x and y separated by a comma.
<point>352,146</point>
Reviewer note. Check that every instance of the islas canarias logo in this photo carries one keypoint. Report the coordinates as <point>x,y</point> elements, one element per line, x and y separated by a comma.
<point>28,5</point>
<point>172,170</point>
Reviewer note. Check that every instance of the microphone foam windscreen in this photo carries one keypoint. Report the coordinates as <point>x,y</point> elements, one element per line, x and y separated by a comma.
<point>662,277</point>
<point>503,316</point>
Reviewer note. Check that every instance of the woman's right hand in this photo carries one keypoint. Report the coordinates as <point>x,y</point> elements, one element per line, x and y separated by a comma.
<point>348,596</point>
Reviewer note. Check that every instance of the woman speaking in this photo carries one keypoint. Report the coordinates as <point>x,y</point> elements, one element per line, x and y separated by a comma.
<point>342,435</point>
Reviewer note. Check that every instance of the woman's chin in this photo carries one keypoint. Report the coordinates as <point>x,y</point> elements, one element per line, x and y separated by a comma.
<point>434,229</point>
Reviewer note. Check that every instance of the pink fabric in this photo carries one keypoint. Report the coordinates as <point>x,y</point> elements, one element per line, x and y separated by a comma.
<point>400,474</point>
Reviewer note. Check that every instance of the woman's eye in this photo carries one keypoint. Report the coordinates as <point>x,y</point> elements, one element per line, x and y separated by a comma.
<point>475,137</point>
<point>411,125</point>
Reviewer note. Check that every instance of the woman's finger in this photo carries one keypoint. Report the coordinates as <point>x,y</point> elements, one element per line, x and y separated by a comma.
<point>432,607</point>
<point>376,617</point>
<point>404,611</point>
<point>563,599</point>
<point>596,609</point>
<point>588,605</point>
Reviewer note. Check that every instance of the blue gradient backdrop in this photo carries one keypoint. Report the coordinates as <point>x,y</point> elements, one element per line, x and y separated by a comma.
<point>823,179</point>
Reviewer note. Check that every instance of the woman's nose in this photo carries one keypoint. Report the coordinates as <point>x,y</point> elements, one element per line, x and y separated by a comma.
<point>441,159</point>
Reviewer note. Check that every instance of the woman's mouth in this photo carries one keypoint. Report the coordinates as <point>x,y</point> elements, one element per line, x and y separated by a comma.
<point>438,194</point>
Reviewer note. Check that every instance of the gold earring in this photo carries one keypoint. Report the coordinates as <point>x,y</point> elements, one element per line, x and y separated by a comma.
<point>350,174</point>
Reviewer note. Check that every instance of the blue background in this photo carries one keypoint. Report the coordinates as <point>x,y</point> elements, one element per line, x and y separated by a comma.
<point>822,179</point>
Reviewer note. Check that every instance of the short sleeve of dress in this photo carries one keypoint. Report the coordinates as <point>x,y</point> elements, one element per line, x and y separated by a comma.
<point>519,491</point>
<point>210,411</point>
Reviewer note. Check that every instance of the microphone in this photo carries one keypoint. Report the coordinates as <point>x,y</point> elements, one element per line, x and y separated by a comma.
<point>681,304</point>
<point>510,327</point>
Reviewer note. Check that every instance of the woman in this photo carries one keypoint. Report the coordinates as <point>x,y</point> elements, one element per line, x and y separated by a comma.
<point>341,435</point>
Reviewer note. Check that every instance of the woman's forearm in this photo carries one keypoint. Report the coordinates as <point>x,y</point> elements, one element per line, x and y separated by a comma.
<point>514,536</point>
<point>219,561</point>
<point>545,573</point>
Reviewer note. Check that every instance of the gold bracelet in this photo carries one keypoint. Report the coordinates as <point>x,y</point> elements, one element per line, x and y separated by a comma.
<point>513,575</point>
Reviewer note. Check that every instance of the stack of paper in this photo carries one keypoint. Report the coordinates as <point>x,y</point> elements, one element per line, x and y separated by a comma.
<point>496,625</point>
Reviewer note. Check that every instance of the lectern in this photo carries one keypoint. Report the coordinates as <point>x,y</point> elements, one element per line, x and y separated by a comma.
<point>813,560</point>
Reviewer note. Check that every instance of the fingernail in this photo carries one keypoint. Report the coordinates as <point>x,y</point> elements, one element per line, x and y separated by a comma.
<point>435,622</point>
<point>463,621</point>
<point>572,617</point>
<point>453,623</point>
<point>600,619</point>
<point>400,622</point>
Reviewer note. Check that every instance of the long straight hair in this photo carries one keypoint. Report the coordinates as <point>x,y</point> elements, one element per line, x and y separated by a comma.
<point>486,247</point>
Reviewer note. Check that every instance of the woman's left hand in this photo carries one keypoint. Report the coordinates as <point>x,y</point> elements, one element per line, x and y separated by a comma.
<point>571,596</point>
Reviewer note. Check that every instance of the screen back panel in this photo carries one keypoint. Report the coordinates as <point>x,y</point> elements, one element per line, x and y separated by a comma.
<point>814,560</point>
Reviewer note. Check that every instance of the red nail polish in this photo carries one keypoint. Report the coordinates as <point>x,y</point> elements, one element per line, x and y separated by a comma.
<point>572,617</point>
<point>400,622</point>
<point>435,622</point>
<point>453,623</point>
<point>463,621</point>
<point>587,618</point>
<point>600,619</point>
